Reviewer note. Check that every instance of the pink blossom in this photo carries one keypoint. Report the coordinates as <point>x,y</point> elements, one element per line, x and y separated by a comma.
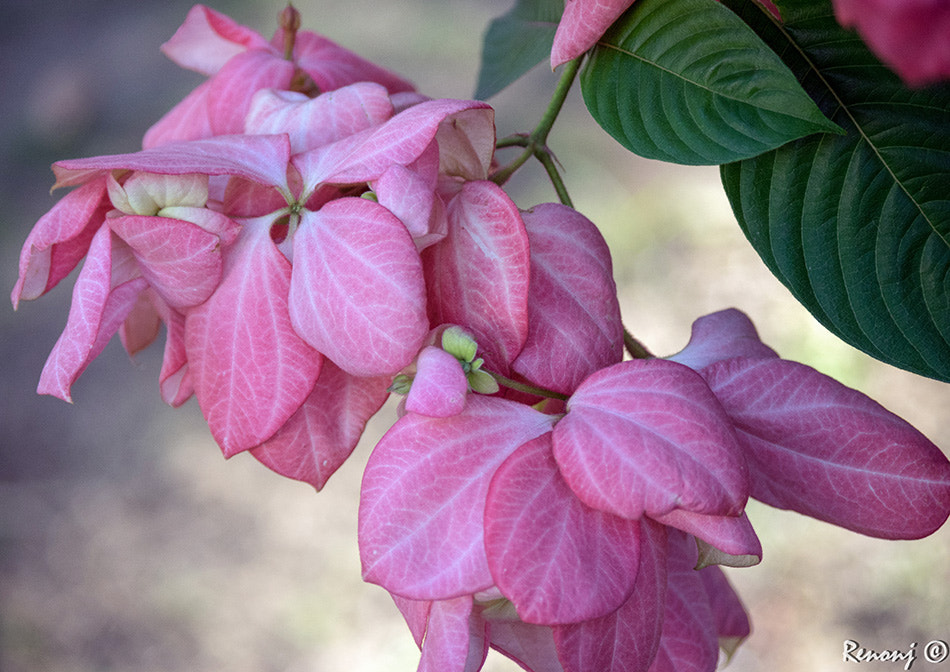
<point>910,36</point>
<point>239,62</point>
<point>582,24</point>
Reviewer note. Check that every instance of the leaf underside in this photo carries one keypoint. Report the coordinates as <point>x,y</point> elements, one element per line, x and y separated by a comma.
<point>857,226</point>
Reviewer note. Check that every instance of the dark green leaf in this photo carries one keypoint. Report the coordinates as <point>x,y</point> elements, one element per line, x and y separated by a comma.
<point>687,81</point>
<point>856,226</point>
<point>516,42</point>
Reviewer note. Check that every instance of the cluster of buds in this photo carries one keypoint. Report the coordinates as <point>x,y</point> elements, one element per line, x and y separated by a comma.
<point>314,236</point>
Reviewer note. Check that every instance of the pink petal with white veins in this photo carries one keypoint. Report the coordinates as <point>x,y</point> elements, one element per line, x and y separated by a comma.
<point>689,641</point>
<point>188,120</point>
<point>439,387</point>
<point>722,335</point>
<point>455,639</point>
<point>732,621</point>
<point>627,639</point>
<point>261,158</point>
<point>421,519</point>
<point>412,198</point>
<point>574,326</point>
<point>102,298</point>
<point>315,122</point>
<point>416,615</point>
<point>825,450</point>
<point>582,24</point>
<point>556,559</point>
<point>234,86</point>
<point>531,646</point>
<point>208,39</point>
<point>322,434</point>
<point>401,140</point>
<point>357,292</point>
<point>332,66</point>
<point>478,276</point>
<point>250,369</point>
<point>59,240</point>
<point>648,437</point>
<point>179,259</point>
<point>732,536</point>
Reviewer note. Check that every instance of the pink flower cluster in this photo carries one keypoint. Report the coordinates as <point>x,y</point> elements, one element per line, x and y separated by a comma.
<point>313,235</point>
<point>585,536</point>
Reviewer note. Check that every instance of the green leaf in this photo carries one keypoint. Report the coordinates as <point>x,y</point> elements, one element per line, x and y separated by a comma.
<point>687,81</point>
<point>856,226</point>
<point>516,42</point>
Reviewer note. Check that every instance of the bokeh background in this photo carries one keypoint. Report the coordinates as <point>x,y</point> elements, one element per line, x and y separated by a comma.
<point>128,543</point>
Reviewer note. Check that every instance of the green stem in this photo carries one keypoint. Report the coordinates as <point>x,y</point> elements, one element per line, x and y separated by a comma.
<point>535,144</point>
<point>526,387</point>
<point>636,349</point>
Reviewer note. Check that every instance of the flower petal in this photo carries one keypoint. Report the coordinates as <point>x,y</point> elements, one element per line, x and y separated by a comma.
<point>627,639</point>
<point>556,559</point>
<point>574,326</point>
<point>250,369</point>
<point>820,448</point>
<point>103,297</point>
<point>322,434</point>
<point>59,240</point>
<point>357,292</point>
<point>478,276</point>
<point>648,436</point>
<point>421,517</point>
<point>208,39</point>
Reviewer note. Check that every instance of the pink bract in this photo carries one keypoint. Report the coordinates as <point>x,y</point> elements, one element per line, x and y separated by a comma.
<point>910,36</point>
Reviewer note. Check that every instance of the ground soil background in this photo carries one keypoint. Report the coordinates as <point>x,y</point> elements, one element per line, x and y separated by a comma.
<point>127,543</point>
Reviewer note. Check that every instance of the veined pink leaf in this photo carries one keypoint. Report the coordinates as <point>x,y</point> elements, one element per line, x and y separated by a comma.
<point>104,294</point>
<point>456,640</point>
<point>332,66</point>
<point>142,324</point>
<point>724,540</point>
<point>233,87</point>
<point>731,619</point>
<point>421,517</point>
<point>648,437</point>
<point>59,240</point>
<point>574,326</point>
<point>722,335</point>
<point>187,120</point>
<point>827,451</point>
<point>412,198</point>
<point>174,378</point>
<point>531,646</point>
<point>439,388</point>
<point>315,122</point>
<point>322,434</point>
<point>478,276</point>
<point>688,642</point>
<point>556,559</point>
<point>261,158</point>
<point>582,24</point>
<point>365,156</point>
<point>357,293</point>
<point>416,614</point>
<point>627,639</point>
<point>208,39</point>
<point>910,36</point>
<point>250,369</point>
<point>179,259</point>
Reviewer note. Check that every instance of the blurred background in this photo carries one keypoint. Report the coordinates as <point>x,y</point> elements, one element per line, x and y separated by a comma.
<point>128,543</point>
